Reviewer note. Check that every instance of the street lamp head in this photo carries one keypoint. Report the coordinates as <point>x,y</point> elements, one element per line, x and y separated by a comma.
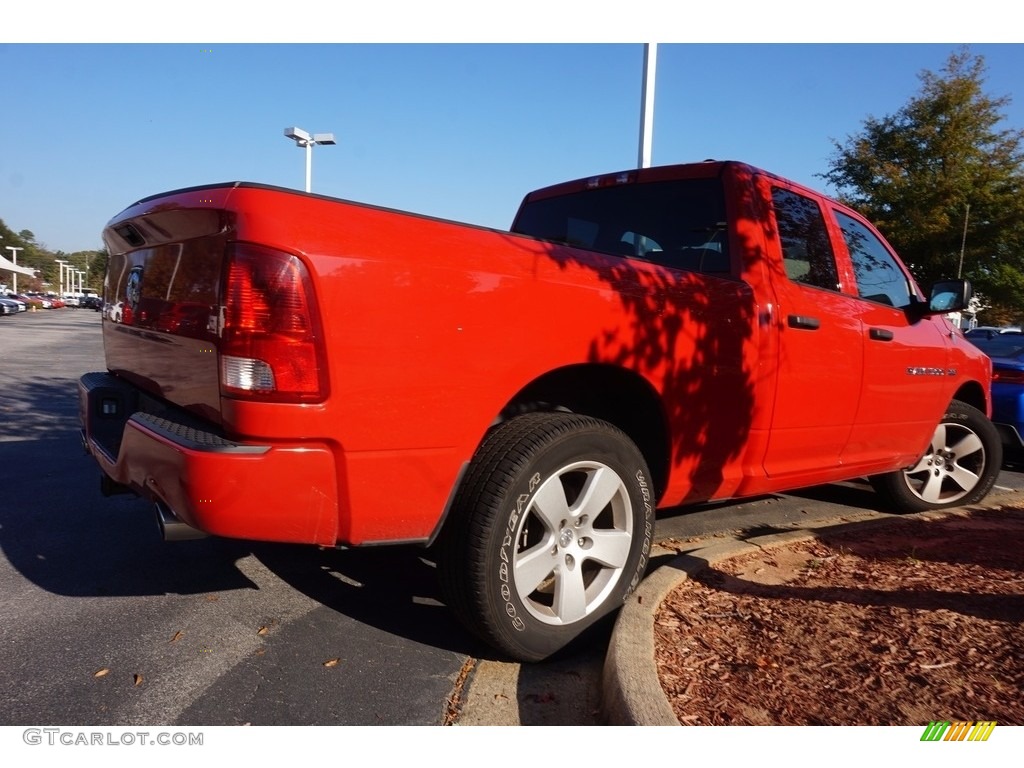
<point>307,141</point>
<point>298,135</point>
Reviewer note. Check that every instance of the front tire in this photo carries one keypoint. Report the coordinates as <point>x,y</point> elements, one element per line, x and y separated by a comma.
<point>959,466</point>
<point>550,531</point>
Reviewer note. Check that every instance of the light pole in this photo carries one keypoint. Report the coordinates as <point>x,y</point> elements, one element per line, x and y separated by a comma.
<point>305,139</point>
<point>14,258</point>
<point>647,106</point>
<point>963,242</point>
<point>62,264</point>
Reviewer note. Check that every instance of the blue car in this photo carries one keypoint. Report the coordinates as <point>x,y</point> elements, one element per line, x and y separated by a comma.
<point>1007,353</point>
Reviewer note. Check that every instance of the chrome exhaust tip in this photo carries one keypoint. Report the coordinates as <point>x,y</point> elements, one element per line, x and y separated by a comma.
<point>171,526</point>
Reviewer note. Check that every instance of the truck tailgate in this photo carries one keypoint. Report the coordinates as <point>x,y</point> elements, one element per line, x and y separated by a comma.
<point>162,296</point>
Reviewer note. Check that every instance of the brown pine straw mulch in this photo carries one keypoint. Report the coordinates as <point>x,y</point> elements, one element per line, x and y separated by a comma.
<point>910,622</point>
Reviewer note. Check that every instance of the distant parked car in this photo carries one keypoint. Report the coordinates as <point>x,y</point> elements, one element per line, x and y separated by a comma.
<point>1007,353</point>
<point>32,301</point>
<point>22,306</point>
<point>91,302</point>
<point>9,307</point>
<point>988,331</point>
<point>49,302</point>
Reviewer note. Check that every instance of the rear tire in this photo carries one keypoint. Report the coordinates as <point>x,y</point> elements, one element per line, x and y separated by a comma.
<point>551,530</point>
<point>959,466</point>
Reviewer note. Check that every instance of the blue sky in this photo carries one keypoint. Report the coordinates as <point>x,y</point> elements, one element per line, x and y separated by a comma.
<point>459,131</point>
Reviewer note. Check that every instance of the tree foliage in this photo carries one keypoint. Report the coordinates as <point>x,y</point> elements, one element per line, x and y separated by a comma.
<point>945,159</point>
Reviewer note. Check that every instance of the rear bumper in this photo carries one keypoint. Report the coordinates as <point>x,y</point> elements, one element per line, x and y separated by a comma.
<point>265,491</point>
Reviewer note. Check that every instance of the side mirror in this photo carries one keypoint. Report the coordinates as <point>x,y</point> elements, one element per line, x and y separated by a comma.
<point>949,296</point>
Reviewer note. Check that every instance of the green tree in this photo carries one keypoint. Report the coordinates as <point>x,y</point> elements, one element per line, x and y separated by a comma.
<point>96,266</point>
<point>941,177</point>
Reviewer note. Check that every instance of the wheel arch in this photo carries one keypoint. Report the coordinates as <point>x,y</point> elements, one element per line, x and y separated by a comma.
<point>973,393</point>
<point>619,396</point>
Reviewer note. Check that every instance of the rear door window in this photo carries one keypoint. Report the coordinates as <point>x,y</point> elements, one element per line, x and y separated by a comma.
<point>806,248</point>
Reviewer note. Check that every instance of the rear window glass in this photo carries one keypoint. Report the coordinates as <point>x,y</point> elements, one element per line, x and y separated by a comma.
<point>680,224</point>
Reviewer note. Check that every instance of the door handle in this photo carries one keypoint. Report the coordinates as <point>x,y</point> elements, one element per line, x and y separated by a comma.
<point>804,321</point>
<point>880,334</point>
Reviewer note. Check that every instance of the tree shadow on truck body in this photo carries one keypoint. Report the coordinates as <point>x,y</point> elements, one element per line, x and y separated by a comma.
<point>700,342</point>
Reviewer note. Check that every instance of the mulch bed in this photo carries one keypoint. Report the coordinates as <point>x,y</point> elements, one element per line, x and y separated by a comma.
<point>916,621</point>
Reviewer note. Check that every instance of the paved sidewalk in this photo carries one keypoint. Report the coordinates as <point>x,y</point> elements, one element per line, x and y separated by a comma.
<point>562,691</point>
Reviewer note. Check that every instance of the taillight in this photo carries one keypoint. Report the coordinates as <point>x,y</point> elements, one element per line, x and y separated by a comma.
<point>1007,376</point>
<point>271,345</point>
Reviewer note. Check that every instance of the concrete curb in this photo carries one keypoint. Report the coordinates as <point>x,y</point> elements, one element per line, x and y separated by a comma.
<point>631,692</point>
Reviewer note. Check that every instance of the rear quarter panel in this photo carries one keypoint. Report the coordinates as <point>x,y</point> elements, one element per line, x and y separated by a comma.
<point>433,327</point>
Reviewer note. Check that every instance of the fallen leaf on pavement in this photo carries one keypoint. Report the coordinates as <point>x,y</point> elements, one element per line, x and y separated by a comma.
<point>266,627</point>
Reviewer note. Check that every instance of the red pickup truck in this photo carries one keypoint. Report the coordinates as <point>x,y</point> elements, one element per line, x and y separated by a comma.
<point>289,367</point>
